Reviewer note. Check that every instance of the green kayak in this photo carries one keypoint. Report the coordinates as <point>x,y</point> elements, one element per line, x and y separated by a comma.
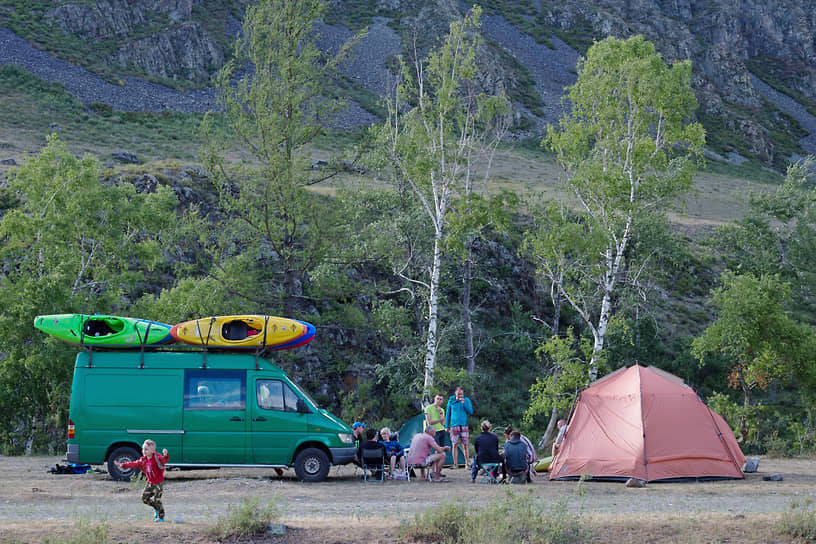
<point>104,330</point>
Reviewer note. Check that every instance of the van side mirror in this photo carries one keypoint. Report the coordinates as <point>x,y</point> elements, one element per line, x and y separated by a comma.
<point>302,408</point>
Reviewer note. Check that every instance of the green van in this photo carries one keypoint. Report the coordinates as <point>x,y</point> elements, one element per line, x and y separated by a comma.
<point>209,409</point>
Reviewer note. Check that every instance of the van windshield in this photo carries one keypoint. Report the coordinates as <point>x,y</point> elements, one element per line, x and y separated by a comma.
<point>305,395</point>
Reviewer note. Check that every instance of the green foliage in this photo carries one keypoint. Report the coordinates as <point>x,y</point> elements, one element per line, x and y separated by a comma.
<point>566,372</point>
<point>31,20</point>
<point>755,332</point>
<point>350,89</point>
<point>519,82</point>
<point>799,521</point>
<point>726,134</point>
<point>246,520</point>
<point>83,532</point>
<point>513,517</point>
<point>780,77</point>
<point>275,230</point>
<point>777,235</point>
<point>727,408</point>
<point>77,246</point>
<point>624,91</point>
<point>35,108</point>
<point>581,35</point>
<point>621,149</point>
<point>750,170</point>
<point>781,428</point>
<point>443,523</point>
<point>358,14</point>
<point>433,147</point>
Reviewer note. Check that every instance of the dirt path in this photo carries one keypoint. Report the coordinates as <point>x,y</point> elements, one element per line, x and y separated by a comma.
<point>34,502</point>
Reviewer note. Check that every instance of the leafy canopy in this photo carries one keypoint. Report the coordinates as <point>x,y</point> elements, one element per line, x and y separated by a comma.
<point>71,245</point>
<point>273,230</point>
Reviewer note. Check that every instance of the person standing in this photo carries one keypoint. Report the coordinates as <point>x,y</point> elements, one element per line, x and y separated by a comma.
<point>459,408</point>
<point>358,433</point>
<point>152,465</point>
<point>435,416</point>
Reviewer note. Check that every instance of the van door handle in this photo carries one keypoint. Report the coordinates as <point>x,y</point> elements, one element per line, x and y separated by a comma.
<point>236,418</point>
<point>259,419</point>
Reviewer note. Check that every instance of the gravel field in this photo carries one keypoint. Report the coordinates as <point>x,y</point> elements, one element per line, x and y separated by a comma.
<point>29,492</point>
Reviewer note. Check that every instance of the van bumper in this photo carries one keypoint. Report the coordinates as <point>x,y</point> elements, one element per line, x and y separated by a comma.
<point>342,456</point>
<point>73,453</point>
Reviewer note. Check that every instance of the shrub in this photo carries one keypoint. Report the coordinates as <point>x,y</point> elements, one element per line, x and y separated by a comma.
<point>799,521</point>
<point>444,523</point>
<point>246,519</point>
<point>516,517</point>
<point>84,532</point>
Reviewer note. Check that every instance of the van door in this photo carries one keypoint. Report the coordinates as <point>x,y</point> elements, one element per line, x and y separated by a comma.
<point>215,417</point>
<point>277,425</point>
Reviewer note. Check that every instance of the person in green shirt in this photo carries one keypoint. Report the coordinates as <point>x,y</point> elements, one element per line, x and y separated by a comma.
<point>435,417</point>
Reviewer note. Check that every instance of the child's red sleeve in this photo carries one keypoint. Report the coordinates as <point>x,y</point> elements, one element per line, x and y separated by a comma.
<point>133,464</point>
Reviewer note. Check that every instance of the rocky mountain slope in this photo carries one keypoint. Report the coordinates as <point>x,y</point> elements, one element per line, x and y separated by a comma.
<point>754,62</point>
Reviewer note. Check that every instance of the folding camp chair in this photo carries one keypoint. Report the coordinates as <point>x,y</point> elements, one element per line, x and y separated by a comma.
<point>488,472</point>
<point>413,468</point>
<point>372,459</point>
<point>517,476</point>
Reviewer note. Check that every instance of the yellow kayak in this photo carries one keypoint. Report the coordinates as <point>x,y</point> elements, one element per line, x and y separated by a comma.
<point>244,332</point>
<point>543,465</point>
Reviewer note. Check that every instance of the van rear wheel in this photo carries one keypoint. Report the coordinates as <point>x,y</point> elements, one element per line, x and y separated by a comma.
<point>122,454</point>
<point>312,465</point>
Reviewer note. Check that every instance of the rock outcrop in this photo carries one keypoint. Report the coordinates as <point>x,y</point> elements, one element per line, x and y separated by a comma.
<point>156,37</point>
<point>732,46</point>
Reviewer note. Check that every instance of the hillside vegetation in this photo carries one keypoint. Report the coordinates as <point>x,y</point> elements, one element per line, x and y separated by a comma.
<point>191,259</point>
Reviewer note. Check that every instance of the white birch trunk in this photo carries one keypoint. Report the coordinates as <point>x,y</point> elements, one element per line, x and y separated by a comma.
<point>433,315</point>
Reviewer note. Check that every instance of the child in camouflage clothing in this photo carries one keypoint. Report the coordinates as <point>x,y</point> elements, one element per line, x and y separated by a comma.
<point>152,465</point>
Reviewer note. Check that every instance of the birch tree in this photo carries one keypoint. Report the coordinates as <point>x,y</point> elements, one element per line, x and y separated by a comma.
<point>436,121</point>
<point>627,148</point>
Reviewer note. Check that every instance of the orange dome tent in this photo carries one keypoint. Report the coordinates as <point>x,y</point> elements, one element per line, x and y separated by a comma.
<point>641,422</point>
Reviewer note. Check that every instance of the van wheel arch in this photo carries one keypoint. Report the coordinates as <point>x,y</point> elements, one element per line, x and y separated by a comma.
<point>312,464</point>
<point>123,452</point>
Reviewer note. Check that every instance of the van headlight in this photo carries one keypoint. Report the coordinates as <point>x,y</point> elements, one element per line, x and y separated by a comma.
<point>346,438</point>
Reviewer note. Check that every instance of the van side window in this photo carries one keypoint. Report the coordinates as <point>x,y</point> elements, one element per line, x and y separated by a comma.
<point>214,389</point>
<point>275,395</point>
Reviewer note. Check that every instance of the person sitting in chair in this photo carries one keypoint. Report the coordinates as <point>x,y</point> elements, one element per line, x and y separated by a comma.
<point>393,451</point>
<point>516,458</point>
<point>531,452</point>
<point>425,452</point>
<point>372,453</point>
<point>487,449</point>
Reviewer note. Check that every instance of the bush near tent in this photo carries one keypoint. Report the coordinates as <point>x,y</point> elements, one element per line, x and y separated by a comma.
<point>641,422</point>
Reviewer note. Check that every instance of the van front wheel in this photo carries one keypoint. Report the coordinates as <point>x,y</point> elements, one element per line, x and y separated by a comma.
<point>312,465</point>
<point>122,454</point>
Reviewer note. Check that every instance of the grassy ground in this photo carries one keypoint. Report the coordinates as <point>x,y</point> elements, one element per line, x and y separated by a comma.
<point>38,507</point>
